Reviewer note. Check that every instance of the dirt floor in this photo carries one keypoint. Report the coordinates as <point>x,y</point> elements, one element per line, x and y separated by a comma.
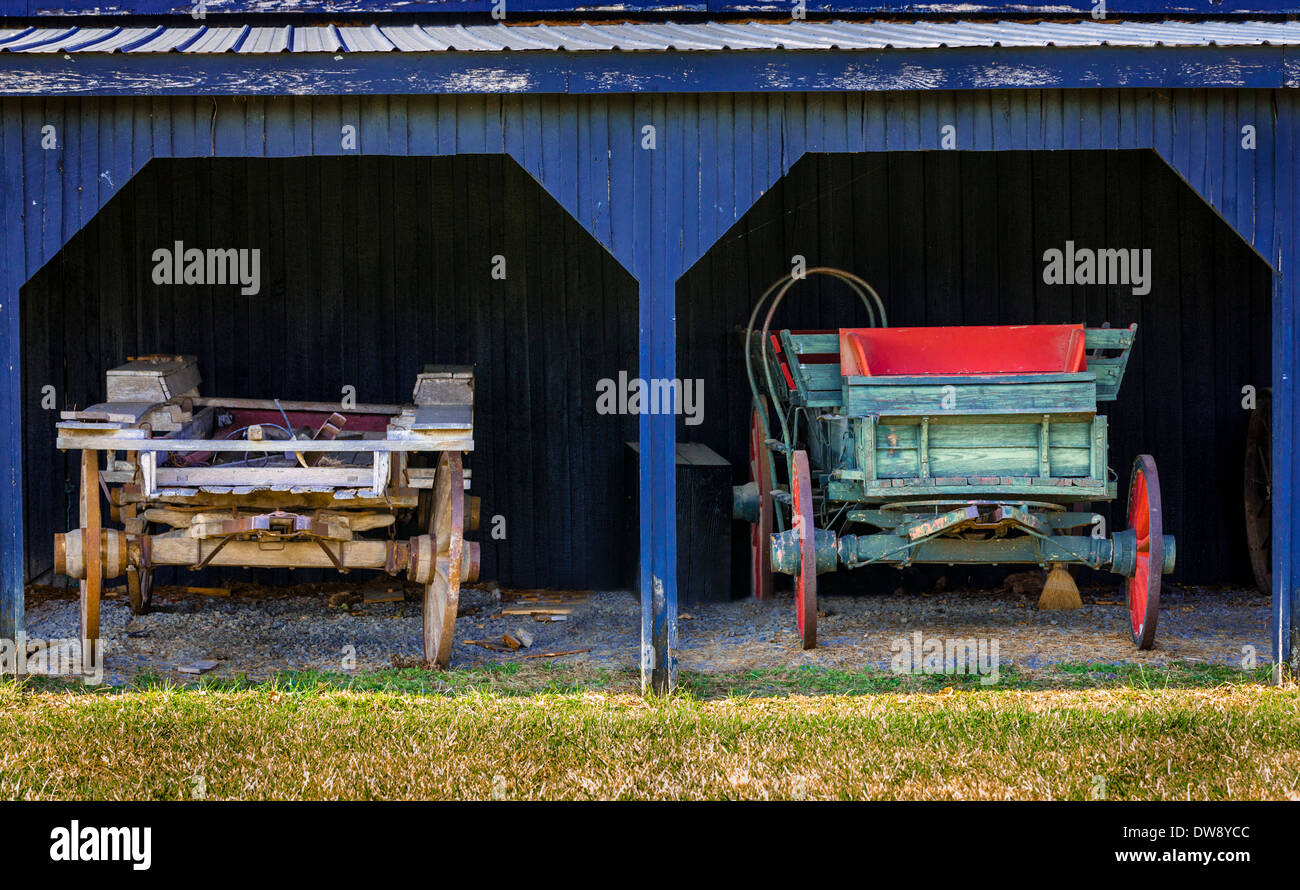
<point>257,631</point>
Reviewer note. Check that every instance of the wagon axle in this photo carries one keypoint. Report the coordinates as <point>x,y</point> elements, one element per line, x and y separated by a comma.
<point>120,552</point>
<point>977,532</point>
<point>1119,552</point>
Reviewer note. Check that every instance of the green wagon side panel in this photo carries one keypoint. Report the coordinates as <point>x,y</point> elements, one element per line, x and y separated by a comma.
<point>823,378</point>
<point>856,491</point>
<point>984,446</point>
<point>817,384</point>
<point>815,343</point>
<point>1109,368</point>
<point>1109,374</point>
<point>1000,394</point>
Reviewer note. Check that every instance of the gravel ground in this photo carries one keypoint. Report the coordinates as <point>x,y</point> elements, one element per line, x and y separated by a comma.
<point>257,631</point>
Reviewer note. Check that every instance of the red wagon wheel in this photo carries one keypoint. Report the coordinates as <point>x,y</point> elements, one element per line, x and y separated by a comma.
<point>760,533</point>
<point>805,581</point>
<point>447,529</point>
<point>1142,588</point>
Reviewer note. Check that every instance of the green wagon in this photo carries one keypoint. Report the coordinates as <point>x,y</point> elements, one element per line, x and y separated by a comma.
<point>940,445</point>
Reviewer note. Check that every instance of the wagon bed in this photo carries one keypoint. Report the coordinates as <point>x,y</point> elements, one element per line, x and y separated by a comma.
<point>934,419</point>
<point>212,481</point>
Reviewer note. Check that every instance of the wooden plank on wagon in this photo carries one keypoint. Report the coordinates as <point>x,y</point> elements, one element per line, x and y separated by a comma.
<point>264,477</point>
<point>312,407</point>
<point>111,412</point>
<point>78,435</point>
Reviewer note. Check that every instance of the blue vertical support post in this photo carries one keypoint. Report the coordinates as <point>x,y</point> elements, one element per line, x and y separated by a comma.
<point>1285,293</point>
<point>12,264</point>
<point>1283,414</point>
<point>657,253</point>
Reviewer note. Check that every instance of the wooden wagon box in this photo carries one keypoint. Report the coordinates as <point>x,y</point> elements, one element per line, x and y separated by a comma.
<point>210,481</point>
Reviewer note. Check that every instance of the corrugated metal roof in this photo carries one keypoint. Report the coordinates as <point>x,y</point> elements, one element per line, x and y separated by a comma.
<point>642,36</point>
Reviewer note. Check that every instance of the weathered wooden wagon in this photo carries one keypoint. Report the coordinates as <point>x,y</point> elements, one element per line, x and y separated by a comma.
<point>948,445</point>
<point>201,481</point>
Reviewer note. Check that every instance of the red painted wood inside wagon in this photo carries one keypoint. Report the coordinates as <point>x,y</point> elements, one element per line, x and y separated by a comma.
<point>357,423</point>
<point>969,349</point>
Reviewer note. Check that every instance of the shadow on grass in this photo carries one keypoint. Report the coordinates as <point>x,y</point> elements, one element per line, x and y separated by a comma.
<point>515,680</point>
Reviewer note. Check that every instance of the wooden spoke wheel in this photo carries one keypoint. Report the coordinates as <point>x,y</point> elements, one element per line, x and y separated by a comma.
<point>1259,492</point>
<point>423,508</point>
<point>447,529</point>
<point>760,533</point>
<point>805,580</point>
<point>1142,588</point>
<point>93,585</point>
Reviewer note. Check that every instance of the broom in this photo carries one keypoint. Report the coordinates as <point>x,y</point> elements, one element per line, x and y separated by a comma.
<point>1060,591</point>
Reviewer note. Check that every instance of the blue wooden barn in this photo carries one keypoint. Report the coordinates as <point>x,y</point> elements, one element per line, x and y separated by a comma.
<point>645,170</point>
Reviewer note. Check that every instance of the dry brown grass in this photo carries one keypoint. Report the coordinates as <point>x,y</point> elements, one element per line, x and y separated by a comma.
<point>1239,741</point>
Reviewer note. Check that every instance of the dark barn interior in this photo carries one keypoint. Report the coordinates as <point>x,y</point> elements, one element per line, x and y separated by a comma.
<point>371,268</point>
<point>951,238</point>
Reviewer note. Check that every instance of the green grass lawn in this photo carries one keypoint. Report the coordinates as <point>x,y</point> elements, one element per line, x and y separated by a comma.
<point>565,732</point>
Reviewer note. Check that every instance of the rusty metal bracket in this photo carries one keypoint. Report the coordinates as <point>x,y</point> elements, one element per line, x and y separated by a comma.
<point>277,521</point>
<point>145,545</point>
<point>215,550</point>
<point>396,557</point>
<point>330,553</point>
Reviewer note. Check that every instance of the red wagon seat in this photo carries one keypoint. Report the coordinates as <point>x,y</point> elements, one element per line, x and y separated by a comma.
<point>955,351</point>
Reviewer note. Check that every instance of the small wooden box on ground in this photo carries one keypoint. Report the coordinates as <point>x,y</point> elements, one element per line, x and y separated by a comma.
<point>703,523</point>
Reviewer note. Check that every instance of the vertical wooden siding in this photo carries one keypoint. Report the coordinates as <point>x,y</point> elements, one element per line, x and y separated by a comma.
<point>718,152</point>
<point>958,238</point>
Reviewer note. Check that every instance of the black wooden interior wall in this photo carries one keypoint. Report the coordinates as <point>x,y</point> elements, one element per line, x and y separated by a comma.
<point>371,268</point>
<point>958,238</point>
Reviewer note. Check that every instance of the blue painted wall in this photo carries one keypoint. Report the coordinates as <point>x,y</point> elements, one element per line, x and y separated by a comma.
<point>657,211</point>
